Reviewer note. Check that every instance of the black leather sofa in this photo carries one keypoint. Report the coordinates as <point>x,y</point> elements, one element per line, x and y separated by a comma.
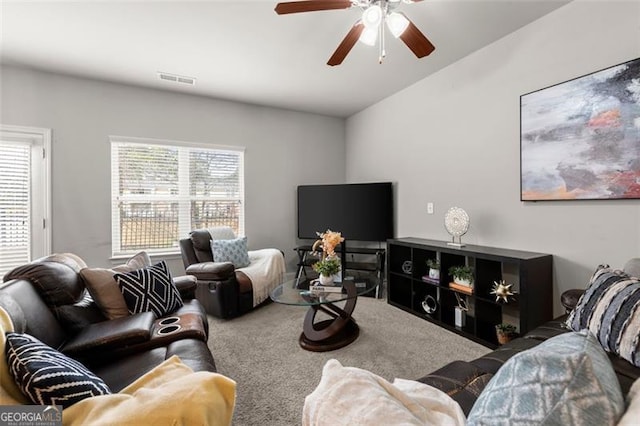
<point>46,299</point>
<point>464,381</point>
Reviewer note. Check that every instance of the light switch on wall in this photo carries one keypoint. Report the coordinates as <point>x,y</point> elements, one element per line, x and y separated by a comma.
<point>429,208</point>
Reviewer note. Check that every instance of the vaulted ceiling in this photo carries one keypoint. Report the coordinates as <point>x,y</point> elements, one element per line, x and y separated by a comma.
<point>243,51</point>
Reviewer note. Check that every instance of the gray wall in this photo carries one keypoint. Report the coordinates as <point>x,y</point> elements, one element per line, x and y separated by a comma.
<point>453,139</point>
<point>283,149</point>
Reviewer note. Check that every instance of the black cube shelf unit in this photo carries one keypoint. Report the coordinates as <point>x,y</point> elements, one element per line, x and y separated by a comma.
<point>529,273</point>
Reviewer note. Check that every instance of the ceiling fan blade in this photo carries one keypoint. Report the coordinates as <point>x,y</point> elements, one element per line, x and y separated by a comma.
<point>416,41</point>
<point>347,44</point>
<point>311,6</point>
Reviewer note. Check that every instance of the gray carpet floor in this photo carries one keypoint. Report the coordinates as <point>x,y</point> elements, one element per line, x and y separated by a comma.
<point>260,351</point>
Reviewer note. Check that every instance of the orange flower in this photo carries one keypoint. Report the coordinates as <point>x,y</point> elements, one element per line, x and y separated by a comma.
<point>328,242</point>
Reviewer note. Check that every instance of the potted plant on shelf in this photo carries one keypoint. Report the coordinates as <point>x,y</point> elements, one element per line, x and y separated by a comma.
<point>462,275</point>
<point>505,332</point>
<point>327,269</point>
<point>434,269</point>
<point>329,264</point>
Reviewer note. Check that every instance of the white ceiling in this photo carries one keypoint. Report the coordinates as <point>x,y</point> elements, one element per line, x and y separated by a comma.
<point>242,51</point>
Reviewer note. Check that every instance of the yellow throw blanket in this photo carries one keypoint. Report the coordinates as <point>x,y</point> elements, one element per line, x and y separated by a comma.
<point>170,394</point>
<point>10,393</point>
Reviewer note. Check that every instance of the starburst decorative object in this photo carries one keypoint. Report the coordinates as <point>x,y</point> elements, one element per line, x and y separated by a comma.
<point>502,290</point>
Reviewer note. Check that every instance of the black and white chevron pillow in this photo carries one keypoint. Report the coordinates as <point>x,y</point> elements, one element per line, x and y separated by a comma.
<point>150,289</point>
<point>48,377</point>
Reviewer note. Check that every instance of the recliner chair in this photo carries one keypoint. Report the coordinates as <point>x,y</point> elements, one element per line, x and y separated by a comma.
<point>224,291</point>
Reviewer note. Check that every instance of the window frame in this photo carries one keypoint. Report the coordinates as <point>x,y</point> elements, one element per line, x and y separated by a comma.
<point>183,198</point>
<point>40,209</point>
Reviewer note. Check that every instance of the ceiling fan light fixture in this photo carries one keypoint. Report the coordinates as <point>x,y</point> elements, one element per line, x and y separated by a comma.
<point>370,29</point>
<point>369,36</point>
<point>372,16</point>
<point>397,23</point>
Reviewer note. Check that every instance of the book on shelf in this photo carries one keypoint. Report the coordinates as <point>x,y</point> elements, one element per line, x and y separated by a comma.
<point>428,279</point>
<point>316,287</point>
<point>461,288</point>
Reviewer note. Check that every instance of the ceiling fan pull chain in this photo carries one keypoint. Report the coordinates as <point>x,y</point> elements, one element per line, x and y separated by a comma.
<point>382,53</point>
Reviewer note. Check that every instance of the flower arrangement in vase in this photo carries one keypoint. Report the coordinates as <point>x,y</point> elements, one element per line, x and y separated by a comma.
<point>329,264</point>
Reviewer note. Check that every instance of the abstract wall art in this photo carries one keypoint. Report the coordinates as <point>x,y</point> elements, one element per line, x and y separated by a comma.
<point>581,139</point>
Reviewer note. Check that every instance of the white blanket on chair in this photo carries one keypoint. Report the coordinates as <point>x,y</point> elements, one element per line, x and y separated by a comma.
<point>266,272</point>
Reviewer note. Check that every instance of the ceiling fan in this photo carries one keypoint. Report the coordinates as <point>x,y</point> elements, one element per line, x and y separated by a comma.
<point>370,27</point>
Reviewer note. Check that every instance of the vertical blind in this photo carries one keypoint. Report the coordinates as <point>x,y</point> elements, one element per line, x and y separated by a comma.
<point>160,192</point>
<point>15,217</point>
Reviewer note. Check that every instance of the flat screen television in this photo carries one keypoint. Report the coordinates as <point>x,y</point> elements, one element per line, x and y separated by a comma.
<point>360,211</point>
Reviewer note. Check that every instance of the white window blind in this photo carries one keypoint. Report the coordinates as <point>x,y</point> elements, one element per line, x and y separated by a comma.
<point>15,219</point>
<point>25,195</point>
<point>161,191</point>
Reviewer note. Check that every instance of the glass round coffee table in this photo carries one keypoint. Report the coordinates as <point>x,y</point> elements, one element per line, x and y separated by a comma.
<point>329,334</point>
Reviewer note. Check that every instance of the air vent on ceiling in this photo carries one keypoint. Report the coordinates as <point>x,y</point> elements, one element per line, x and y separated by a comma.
<point>191,81</point>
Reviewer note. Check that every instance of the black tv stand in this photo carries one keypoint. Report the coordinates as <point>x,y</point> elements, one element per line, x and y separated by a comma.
<point>360,260</point>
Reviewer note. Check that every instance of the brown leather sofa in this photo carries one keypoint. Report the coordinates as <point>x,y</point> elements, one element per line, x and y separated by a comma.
<point>223,291</point>
<point>46,299</point>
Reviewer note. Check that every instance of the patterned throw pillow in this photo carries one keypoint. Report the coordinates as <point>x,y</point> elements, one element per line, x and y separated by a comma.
<point>566,380</point>
<point>48,377</point>
<point>234,251</point>
<point>150,289</point>
<point>610,309</point>
<point>103,287</point>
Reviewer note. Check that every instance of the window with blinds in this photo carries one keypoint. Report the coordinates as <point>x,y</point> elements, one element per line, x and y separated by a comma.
<point>162,191</point>
<point>25,195</point>
<point>15,205</point>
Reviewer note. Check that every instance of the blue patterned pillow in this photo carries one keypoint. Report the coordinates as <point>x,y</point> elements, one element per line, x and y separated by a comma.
<point>150,289</point>
<point>234,251</point>
<point>566,380</point>
<point>610,309</point>
<point>48,377</point>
